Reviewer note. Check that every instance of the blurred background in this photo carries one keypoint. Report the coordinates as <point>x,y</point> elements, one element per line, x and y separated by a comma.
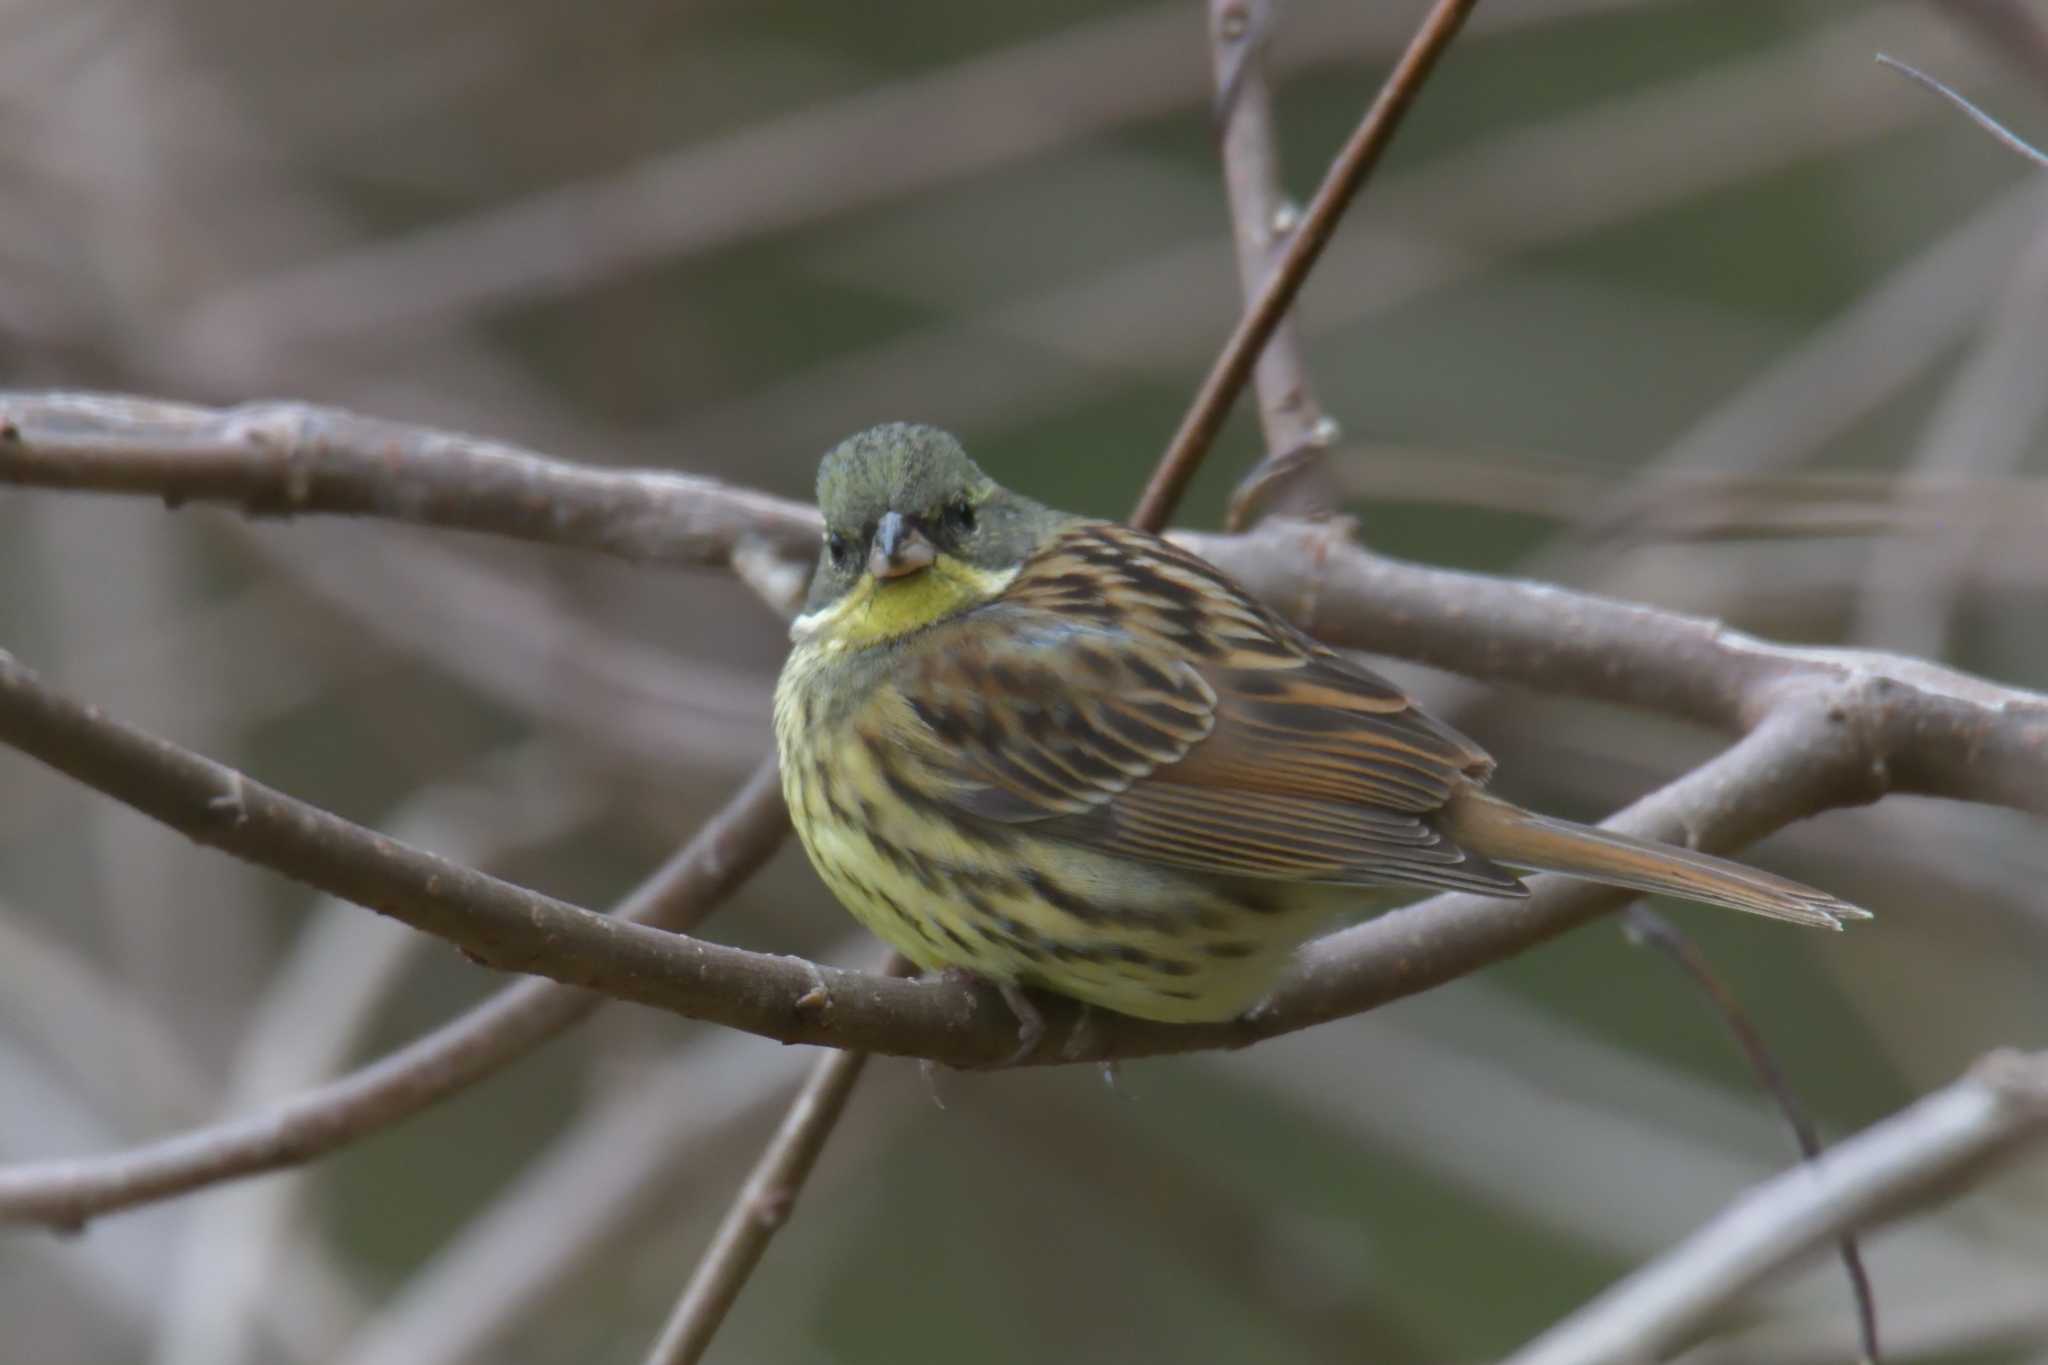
<point>1684,300</point>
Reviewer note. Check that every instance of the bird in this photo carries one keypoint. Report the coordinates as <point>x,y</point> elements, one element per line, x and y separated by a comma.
<point>1048,751</point>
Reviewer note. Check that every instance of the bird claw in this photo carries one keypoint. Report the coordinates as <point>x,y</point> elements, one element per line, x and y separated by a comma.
<point>1030,1023</point>
<point>929,1069</point>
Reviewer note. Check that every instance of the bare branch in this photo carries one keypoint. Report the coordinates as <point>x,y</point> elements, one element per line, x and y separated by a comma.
<point>1945,732</point>
<point>519,1018</point>
<point>1960,1133</point>
<point>1346,175</point>
<point>1813,752</point>
<point>1825,728</point>
<point>1261,219</point>
<point>762,1205</point>
<point>286,459</point>
<point>764,1202</point>
<point>2010,140</point>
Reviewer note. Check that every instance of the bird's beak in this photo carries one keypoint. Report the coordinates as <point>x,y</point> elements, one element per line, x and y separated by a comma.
<point>899,548</point>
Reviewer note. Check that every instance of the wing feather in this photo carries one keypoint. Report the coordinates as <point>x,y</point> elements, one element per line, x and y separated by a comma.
<point>1125,696</point>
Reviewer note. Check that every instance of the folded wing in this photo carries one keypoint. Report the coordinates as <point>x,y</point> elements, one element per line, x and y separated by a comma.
<point>1124,696</point>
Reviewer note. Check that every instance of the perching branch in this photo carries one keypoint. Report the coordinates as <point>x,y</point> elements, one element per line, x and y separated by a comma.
<point>1823,728</point>
<point>1988,1118</point>
<point>1815,751</point>
<point>1346,174</point>
<point>730,847</point>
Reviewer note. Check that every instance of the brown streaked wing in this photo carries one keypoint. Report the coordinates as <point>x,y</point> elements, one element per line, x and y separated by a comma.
<point>1293,717</point>
<point>1130,698</point>
<point>1025,716</point>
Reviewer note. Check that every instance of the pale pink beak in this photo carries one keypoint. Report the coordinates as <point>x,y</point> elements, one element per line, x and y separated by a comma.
<point>899,548</point>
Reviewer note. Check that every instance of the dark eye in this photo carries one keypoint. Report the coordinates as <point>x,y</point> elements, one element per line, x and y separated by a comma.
<point>836,546</point>
<point>960,516</point>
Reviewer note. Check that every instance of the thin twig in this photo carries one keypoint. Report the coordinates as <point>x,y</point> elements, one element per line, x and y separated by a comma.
<point>725,852</point>
<point>1276,475</point>
<point>1346,175</point>
<point>1261,219</point>
<point>1982,1121</point>
<point>2011,140</point>
<point>762,1205</point>
<point>1644,925</point>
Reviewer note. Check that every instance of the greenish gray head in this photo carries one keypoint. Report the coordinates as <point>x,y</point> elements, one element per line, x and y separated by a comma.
<point>897,497</point>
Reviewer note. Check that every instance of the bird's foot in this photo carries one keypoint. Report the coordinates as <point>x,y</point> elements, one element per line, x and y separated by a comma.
<point>1030,1022</point>
<point>929,1069</point>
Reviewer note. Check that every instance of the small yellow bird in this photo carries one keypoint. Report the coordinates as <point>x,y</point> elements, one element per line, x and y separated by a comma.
<point>1062,753</point>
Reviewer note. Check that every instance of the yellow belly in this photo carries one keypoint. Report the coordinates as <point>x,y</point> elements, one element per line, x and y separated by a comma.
<point>1013,906</point>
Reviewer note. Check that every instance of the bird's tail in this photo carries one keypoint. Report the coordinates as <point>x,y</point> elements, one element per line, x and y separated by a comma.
<point>1505,833</point>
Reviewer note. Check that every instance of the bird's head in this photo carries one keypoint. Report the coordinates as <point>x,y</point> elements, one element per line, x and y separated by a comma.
<point>914,533</point>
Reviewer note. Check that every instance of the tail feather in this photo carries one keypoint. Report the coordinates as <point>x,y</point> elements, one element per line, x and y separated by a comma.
<point>1519,838</point>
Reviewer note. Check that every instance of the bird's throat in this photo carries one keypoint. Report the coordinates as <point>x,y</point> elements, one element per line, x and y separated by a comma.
<point>878,610</point>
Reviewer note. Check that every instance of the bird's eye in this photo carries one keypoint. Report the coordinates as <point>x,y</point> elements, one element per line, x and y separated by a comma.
<point>836,546</point>
<point>960,516</point>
